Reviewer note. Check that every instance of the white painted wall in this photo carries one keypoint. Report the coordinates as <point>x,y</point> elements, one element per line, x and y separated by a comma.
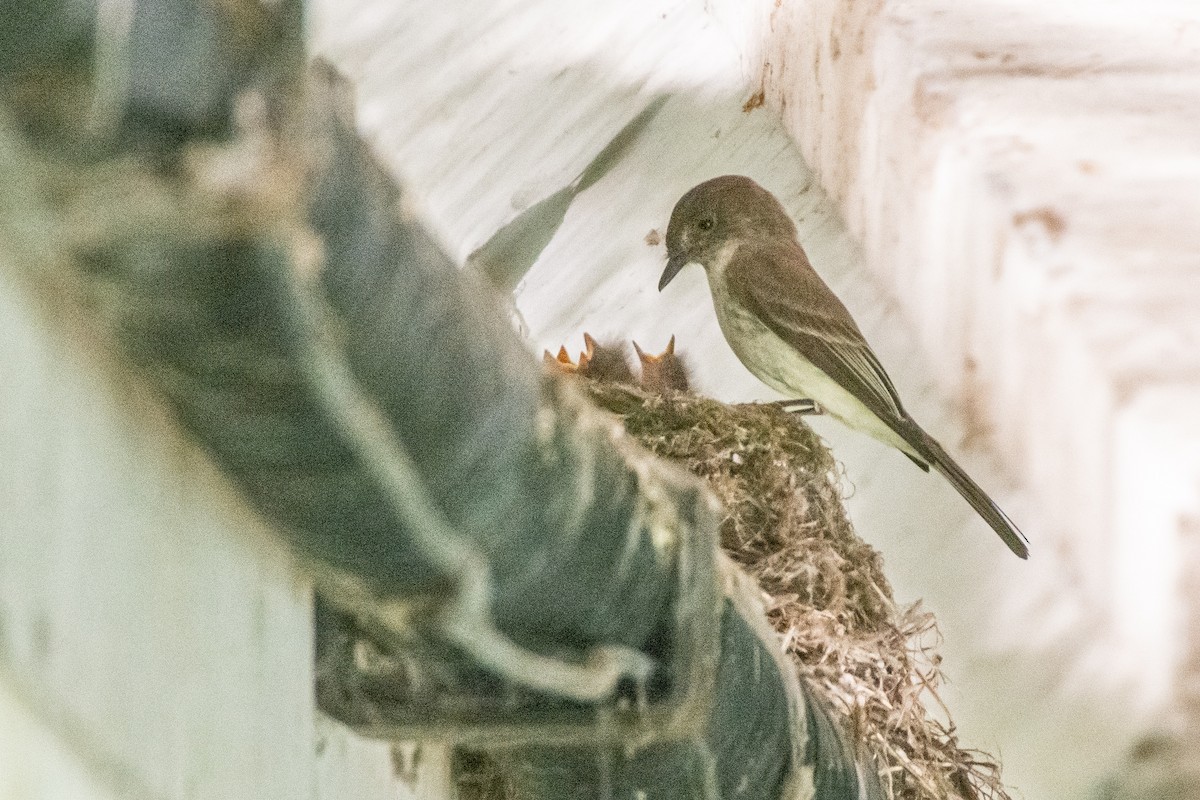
<point>155,640</point>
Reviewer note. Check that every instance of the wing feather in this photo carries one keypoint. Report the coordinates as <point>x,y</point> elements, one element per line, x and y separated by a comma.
<point>798,307</point>
<point>789,297</point>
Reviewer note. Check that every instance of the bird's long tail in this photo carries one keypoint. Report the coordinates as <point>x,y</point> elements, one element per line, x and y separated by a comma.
<point>940,460</point>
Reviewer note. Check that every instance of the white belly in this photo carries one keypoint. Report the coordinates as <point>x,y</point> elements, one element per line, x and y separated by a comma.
<point>777,364</point>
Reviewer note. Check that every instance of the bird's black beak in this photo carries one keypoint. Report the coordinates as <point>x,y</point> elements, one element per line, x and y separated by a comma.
<point>674,264</point>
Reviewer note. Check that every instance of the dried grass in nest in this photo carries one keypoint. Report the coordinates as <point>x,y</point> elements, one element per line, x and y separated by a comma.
<point>785,523</point>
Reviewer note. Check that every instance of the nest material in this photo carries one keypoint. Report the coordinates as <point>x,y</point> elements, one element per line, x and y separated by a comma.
<point>785,523</point>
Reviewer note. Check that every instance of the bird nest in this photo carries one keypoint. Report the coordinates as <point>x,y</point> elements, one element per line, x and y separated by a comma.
<point>873,660</point>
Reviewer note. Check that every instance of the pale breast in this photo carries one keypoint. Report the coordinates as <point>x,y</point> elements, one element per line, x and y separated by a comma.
<point>777,364</point>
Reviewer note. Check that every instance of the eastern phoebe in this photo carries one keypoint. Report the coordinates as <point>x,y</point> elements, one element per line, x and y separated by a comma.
<point>562,362</point>
<point>792,332</point>
<point>604,362</point>
<point>663,373</point>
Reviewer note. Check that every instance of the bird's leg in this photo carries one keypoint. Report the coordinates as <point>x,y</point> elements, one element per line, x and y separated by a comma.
<point>800,406</point>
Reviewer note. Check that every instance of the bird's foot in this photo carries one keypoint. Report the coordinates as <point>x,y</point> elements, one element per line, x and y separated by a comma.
<point>800,406</point>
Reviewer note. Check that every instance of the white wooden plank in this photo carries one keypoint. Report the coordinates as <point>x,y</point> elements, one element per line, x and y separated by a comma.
<point>155,639</point>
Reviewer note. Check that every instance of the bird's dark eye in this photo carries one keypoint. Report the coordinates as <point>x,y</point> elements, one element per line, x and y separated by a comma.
<point>706,224</point>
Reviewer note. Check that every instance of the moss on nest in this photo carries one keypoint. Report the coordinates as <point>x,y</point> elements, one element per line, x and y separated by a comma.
<point>786,524</point>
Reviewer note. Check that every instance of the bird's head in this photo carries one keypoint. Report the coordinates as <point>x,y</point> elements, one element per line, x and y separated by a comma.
<point>715,213</point>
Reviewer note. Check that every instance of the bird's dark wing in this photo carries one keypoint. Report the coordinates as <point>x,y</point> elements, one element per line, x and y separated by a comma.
<point>779,286</point>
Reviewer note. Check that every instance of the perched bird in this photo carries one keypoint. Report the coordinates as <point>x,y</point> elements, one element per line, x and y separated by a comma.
<point>664,372</point>
<point>790,330</point>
